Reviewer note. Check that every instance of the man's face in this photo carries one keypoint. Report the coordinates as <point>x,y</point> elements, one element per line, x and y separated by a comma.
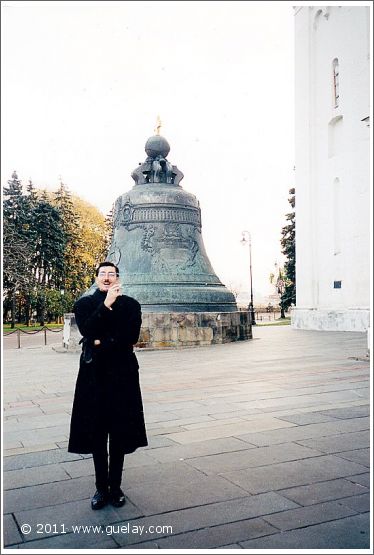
<point>106,278</point>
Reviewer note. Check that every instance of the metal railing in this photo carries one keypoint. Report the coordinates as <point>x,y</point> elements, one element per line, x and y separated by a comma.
<point>18,331</point>
<point>267,316</point>
<point>264,315</point>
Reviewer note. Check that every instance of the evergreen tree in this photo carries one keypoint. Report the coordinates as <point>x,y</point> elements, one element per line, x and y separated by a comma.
<point>32,196</point>
<point>70,224</point>
<point>288,297</point>
<point>17,243</point>
<point>15,207</point>
<point>31,202</point>
<point>13,203</point>
<point>50,245</point>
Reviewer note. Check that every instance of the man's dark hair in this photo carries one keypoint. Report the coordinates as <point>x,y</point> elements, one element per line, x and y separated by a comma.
<point>102,264</point>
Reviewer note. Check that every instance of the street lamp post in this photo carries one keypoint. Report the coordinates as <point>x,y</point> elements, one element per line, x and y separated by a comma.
<point>246,238</point>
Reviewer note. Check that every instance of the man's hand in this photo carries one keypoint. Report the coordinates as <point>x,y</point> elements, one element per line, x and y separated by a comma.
<point>113,292</point>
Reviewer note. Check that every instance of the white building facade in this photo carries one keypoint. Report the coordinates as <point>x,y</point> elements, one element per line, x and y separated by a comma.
<point>332,177</point>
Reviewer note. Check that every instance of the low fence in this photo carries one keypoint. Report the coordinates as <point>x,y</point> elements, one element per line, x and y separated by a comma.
<point>265,315</point>
<point>20,331</point>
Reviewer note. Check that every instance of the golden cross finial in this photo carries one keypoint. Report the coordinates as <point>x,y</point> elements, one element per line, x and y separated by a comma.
<point>158,125</point>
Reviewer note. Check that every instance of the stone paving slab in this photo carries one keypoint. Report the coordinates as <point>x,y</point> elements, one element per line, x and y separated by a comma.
<point>78,468</point>
<point>40,447</point>
<point>262,456</point>
<point>262,423</point>
<point>159,429</point>
<point>215,536</point>
<point>85,467</point>
<point>199,449</point>
<point>295,387</point>
<point>231,546</point>
<point>305,400</point>
<point>35,422</point>
<point>160,473</point>
<point>69,541</point>
<point>361,456</point>
<point>307,418</point>
<point>26,412</point>
<point>306,516</point>
<point>146,546</point>
<point>349,412</point>
<point>359,503</point>
<point>47,495</point>
<point>39,458</point>
<point>294,473</point>
<point>38,435</point>
<point>313,409</point>
<point>338,443</point>
<point>307,432</point>
<point>347,533</point>
<point>181,493</point>
<point>246,441</point>
<point>11,533</point>
<point>324,491</point>
<point>201,517</point>
<point>361,479</point>
<point>213,423</point>
<point>155,442</point>
<point>33,476</point>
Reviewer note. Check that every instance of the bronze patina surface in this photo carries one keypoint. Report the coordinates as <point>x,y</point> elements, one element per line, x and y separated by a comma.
<point>157,242</point>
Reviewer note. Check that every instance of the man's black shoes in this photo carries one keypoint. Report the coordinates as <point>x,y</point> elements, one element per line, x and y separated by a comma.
<point>99,500</point>
<point>117,498</point>
<point>102,498</point>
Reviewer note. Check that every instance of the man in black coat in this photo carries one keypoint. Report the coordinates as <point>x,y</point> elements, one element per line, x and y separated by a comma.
<point>107,401</point>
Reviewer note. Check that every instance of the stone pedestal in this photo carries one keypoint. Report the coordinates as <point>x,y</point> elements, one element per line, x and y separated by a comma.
<point>71,335</point>
<point>178,329</point>
<point>181,329</point>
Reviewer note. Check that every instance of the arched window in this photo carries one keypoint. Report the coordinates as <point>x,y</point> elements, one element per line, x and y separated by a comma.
<point>335,73</point>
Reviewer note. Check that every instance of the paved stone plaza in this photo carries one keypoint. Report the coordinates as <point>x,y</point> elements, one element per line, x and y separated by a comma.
<point>260,444</point>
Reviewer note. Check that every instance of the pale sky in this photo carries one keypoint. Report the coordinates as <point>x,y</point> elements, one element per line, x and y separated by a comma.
<point>83,83</point>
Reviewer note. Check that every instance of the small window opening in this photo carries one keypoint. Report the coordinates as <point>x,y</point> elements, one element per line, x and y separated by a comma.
<point>335,72</point>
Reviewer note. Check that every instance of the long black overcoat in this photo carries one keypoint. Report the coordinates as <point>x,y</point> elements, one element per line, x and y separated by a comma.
<point>107,392</point>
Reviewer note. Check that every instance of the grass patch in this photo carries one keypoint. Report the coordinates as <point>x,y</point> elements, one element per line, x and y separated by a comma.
<point>280,322</point>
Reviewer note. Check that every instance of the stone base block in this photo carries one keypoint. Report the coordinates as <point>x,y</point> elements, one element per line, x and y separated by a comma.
<point>330,319</point>
<point>178,329</point>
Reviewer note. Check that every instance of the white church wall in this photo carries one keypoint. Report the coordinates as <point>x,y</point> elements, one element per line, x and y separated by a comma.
<point>332,168</point>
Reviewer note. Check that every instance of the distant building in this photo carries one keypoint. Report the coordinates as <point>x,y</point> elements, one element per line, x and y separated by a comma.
<point>332,93</point>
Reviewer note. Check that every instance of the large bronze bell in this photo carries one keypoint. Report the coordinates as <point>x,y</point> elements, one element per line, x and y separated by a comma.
<point>157,242</point>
